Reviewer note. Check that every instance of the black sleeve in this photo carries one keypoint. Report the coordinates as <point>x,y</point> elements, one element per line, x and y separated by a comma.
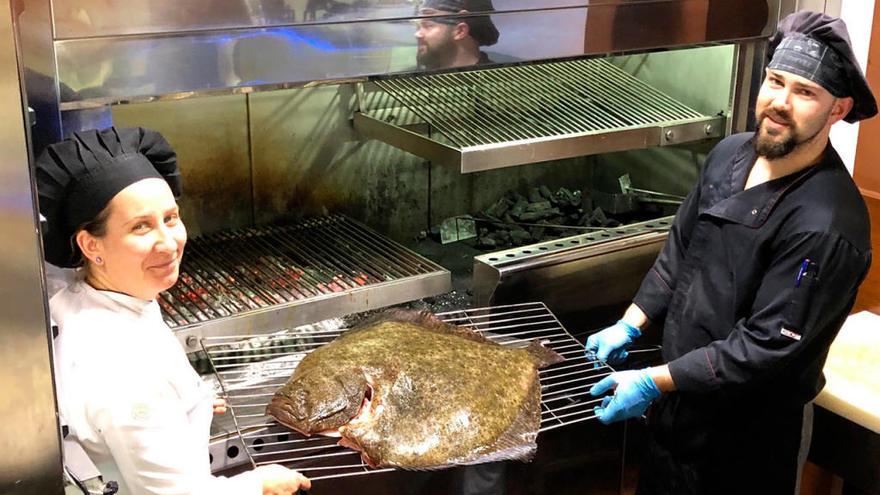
<point>790,322</point>
<point>659,284</point>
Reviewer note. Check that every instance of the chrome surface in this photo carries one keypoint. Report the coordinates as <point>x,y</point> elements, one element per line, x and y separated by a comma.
<point>37,49</point>
<point>509,116</point>
<point>584,278</point>
<point>116,52</point>
<point>747,77</point>
<point>31,459</point>
<point>564,386</point>
<point>245,281</point>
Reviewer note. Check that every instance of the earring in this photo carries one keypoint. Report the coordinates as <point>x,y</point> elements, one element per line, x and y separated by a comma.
<point>98,260</point>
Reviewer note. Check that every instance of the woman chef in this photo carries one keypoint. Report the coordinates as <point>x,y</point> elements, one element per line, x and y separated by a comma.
<point>125,387</point>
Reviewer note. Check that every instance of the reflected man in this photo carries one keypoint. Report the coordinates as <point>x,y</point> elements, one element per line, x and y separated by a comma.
<point>448,42</point>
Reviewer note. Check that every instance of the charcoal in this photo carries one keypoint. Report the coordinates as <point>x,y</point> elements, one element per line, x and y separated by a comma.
<point>507,219</point>
<point>539,206</point>
<point>515,197</point>
<point>584,220</point>
<point>535,195</point>
<point>598,218</point>
<point>537,233</point>
<point>564,197</point>
<point>484,216</point>
<point>545,191</point>
<point>520,237</point>
<point>534,216</point>
<point>518,209</point>
<point>487,242</point>
<point>576,199</point>
<point>500,207</point>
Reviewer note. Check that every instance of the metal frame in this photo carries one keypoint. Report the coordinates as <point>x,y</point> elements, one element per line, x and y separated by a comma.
<point>584,278</point>
<point>104,47</point>
<point>31,462</point>
<point>509,116</point>
<point>249,388</point>
<point>336,248</point>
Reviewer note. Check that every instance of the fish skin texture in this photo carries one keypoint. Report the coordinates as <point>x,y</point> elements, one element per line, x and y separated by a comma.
<point>439,395</point>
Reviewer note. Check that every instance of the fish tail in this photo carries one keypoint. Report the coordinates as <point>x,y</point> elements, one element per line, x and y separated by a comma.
<point>544,356</point>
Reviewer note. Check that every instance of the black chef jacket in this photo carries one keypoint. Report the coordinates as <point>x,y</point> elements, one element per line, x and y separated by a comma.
<point>751,288</point>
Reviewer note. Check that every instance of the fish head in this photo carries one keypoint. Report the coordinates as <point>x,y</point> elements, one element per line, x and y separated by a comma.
<point>315,402</point>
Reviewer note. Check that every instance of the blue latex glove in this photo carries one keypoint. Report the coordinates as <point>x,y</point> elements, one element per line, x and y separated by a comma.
<point>609,345</point>
<point>635,391</point>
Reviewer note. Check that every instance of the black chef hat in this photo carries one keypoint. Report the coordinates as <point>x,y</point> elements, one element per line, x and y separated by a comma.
<point>817,47</point>
<point>77,178</point>
<point>481,27</point>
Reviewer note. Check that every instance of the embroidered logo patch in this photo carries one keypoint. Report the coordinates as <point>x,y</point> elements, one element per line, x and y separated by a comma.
<point>140,412</point>
<point>790,334</point>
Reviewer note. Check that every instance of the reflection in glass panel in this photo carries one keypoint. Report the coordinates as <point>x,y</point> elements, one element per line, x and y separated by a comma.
<point>106,67</point>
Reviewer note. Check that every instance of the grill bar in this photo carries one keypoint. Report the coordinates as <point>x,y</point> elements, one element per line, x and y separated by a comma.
<point>248,389</point>
<point>534,101</point>
<point>514,115</point>
<point>269,269</point>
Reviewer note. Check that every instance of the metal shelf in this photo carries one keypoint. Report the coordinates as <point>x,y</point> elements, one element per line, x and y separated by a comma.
<point>245,281</point>
<point>564,386</point>
<point>495,118</point>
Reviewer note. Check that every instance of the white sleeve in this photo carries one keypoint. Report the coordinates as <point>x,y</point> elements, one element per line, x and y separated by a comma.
<point>148,435</point>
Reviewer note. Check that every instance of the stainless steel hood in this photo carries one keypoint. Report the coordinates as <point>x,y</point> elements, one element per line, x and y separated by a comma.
<point>85,54</point>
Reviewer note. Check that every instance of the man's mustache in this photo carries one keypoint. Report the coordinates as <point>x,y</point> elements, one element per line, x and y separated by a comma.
<point>781,116</point>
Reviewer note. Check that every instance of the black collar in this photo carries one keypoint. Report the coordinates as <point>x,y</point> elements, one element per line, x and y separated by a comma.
<point>751,207</point>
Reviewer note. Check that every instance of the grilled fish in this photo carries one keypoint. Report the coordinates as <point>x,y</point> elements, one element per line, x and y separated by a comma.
<point>410,391</point>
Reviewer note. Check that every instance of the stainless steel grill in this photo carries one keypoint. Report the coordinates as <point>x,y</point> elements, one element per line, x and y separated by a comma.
<point>289,275</point>
<point>512,115</point>
<point>564,386</point>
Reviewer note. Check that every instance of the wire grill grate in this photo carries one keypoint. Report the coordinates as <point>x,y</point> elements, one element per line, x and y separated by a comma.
<point>249,389</point>
<point>535,102</point>
<point>250,269</point>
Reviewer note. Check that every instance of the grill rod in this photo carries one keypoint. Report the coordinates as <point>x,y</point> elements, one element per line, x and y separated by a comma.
<point>565,386</point>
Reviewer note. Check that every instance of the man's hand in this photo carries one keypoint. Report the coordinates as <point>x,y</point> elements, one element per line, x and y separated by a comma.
<point>610,344</point>
<point>633,392</point>
<point>278,480</point>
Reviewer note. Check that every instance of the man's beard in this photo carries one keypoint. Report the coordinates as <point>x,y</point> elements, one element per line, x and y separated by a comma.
<point>777,146</point>
<point>437,55</point>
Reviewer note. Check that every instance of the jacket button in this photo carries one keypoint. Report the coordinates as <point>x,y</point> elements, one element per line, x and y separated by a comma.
<point>754,212</point>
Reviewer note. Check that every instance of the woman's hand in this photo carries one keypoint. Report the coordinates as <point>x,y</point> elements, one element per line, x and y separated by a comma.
<point>219,405</point>
<point>278,480</point>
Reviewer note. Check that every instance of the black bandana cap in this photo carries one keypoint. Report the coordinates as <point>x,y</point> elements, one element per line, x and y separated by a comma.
<point>482,29</point>
<point>77,178</point>
<point>817,47</point>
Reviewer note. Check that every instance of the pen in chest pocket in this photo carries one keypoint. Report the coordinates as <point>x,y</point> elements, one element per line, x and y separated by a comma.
<point>808,269</point>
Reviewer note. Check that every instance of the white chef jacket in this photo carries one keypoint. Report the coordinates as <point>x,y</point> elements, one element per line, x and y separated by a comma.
<point>130,397</point>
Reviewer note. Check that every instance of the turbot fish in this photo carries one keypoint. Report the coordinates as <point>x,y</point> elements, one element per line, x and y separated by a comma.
<point>409,391</point>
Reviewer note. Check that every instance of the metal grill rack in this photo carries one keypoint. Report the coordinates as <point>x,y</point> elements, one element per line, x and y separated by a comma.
<point>564,386</point>
<point>284,276</point>
<point>507,116</point>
